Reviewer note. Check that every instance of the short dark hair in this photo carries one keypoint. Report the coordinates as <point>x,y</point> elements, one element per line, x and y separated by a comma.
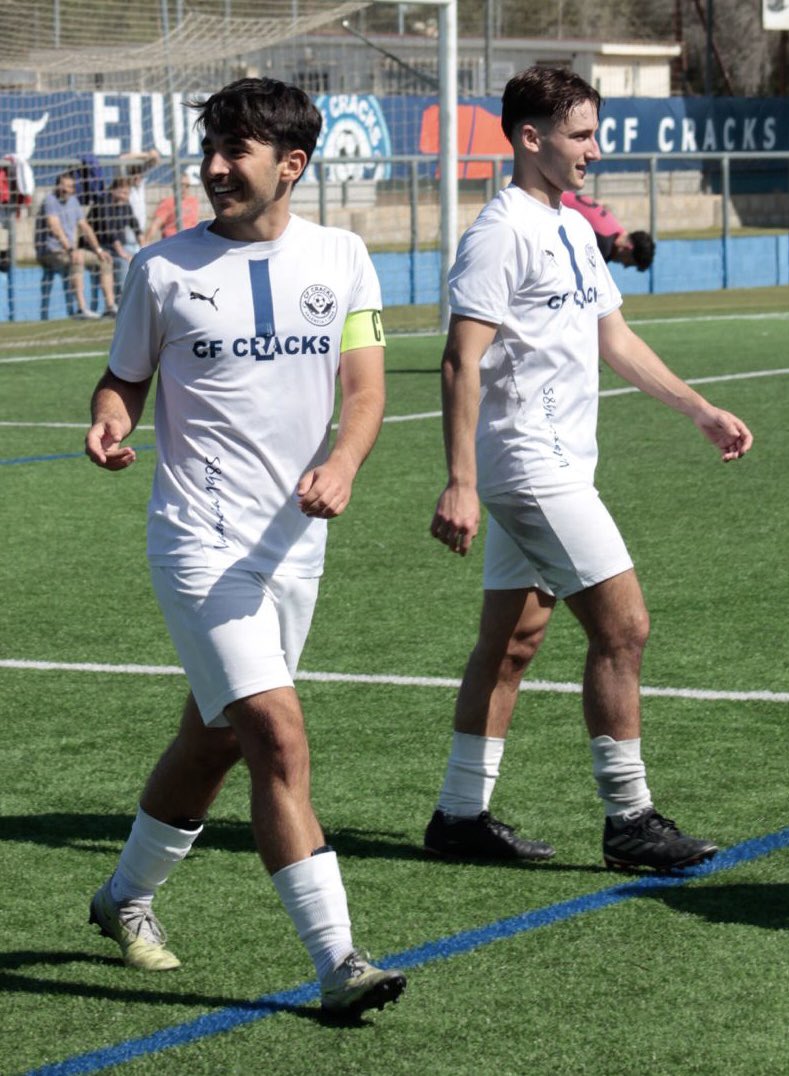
<point>266,110</point>
<point>643,250</point>
<point>543,94</point>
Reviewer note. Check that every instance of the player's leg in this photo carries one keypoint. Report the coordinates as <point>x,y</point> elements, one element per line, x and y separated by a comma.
<point>184,783</point>
<point>616,622</point>
<point>229,630</point>
<point>515,614</point>
<point>305,871</point>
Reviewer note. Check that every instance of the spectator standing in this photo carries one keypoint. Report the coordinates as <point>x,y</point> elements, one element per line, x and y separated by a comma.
<point>136,172</point>
<point>165,222</point>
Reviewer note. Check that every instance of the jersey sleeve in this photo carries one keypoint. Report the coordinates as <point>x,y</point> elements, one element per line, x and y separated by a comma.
<point>365,291</point>
<point>487,272</point>
<point>609,297</point>
<point>134,353</point>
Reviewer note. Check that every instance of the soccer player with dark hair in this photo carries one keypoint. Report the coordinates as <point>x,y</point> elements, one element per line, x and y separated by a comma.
<point>533,309</point>
<point>249,320</point>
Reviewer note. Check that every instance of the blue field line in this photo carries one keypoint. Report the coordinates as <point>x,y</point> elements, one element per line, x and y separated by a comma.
<point>444,948</point>
<point>61,456</point>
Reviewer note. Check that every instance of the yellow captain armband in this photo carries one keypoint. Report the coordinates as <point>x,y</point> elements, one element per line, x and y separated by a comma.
<point>363,328</point>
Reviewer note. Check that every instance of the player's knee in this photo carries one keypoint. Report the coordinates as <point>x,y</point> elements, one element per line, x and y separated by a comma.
<point>507,659</point>
<point>273,741</point>
<point>626,635</point>
<point>522,647</point>
<point>213,752</point>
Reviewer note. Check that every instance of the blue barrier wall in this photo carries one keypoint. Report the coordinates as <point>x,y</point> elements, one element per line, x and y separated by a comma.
<point>681,265</point>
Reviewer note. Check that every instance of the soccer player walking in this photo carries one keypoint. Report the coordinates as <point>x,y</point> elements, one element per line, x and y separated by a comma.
<point>248,319</point>
<point>533,307</point>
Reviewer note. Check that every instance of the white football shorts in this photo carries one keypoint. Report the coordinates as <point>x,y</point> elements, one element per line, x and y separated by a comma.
<point>237,632</point>
<point>559,540</point>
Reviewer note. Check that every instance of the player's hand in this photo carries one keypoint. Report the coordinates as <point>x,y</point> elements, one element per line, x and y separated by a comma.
<point>103,446</point>
<point>726,431</point>
<point>456,518</point>
<point>325,491</point>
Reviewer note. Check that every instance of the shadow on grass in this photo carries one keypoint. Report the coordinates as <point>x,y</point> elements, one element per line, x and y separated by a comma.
<point>103,833</point>
<point>15,976</point>
<point>765,905</point>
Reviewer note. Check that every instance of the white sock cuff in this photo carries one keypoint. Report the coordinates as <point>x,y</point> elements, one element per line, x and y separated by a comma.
<point>300,879</point>
<point>313,895</point>
<point>469,748</point>
<point>620,775</point>
<point>152,851</point>
<point>168,837</point>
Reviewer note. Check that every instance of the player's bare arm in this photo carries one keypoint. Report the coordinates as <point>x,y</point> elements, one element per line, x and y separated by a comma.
<point>326,490</point>
<point>116,407</point>
<point>456,518</point>
<point>630,357</point>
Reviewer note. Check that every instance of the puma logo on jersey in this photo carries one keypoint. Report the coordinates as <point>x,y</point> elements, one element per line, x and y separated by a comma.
<point>205,298</point>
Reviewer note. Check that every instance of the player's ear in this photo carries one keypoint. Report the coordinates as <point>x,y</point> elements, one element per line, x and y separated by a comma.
<point>293,164</point>
<point>528,136</point>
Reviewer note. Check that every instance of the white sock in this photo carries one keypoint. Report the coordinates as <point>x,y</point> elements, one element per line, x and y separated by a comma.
<point>314,898</point>
<point>621,776</point>
<point>471,775</point>
<point>148,857</point>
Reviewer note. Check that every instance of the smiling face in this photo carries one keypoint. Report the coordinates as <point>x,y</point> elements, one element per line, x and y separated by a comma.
<point>248,187</point>
<point>555,157</point>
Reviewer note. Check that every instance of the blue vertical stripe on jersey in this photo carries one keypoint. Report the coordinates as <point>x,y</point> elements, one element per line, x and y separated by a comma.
<point>579,280</point>
<point>262,301</point>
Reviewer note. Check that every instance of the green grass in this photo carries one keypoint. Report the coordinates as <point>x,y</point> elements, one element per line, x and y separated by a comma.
<point>682,980</point>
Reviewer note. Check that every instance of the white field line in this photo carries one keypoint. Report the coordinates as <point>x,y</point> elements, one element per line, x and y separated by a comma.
<point>56,357</point>
<point>626,390</point>
<point>685,319</point>
<point>400,681</point>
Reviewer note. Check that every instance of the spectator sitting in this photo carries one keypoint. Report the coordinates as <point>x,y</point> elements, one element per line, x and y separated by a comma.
<point>60,222</point>
<point>117,228</point>
<point>164,223</point>
<point>615,243</point>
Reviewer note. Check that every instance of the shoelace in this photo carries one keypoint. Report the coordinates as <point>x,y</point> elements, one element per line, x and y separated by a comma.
<point>657,821</point>
<point>136,916</point>
<point>498,827</point>
<point>355,962</point>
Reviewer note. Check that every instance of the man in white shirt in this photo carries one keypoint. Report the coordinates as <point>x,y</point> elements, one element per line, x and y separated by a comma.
<point>249,320</point>
<point>533,308</point>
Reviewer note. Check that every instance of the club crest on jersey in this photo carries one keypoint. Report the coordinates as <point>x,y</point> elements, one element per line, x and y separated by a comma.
<point>319,304</point>
<point>591,254</point>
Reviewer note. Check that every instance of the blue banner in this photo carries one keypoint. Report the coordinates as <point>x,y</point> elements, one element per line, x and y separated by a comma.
<point>66,126</point>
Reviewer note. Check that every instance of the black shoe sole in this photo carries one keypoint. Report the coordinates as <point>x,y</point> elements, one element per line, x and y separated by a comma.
<point>375,998</point>
<point>478,857</point>
<point>614,864</point>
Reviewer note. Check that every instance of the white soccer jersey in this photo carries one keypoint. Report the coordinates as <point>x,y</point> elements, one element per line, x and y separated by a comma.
<point>246,339</point>
<point>535,272</point>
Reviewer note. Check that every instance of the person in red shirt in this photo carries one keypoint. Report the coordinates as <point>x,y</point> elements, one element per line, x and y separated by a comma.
<point>615,243</point>
<point>164,223</point>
